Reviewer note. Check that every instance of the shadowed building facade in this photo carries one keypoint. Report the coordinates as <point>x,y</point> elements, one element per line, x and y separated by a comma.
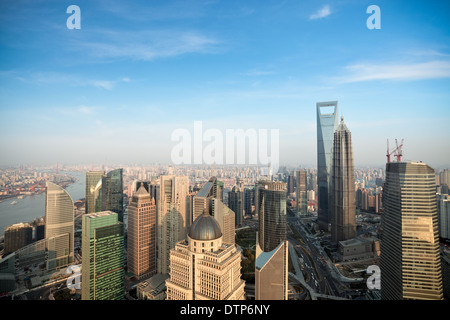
<point>327,123</point>
<point>410,255</point>
<point>173,216</point>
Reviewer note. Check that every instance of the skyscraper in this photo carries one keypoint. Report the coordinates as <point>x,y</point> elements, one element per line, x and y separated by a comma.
<point>173,221</point>
<point>225,218</point>
<point>302,199</point>
<point>112,192</point>
<point>327,123</point>
<point>271,273</point>
<point>204,267</point>
<point>342,200</point>
<point>142,234</point>
<point>270,203</point>
<point>92,179</point>
<point>201,200</point>
<point>104,192</point>
<point>443,208</point>
<point>103,257</point>
<point>17,236</point>
<point>59,220</point>
<point>249,201</point>
<point>410,257</point>
<point>236,203</point>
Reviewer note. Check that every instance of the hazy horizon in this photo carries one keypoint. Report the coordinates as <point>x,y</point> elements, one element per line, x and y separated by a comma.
<point>115,90</point>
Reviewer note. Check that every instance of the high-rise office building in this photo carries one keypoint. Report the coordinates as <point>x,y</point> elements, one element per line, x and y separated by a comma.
<point>112,192</point>
<point>141,247</point>
<point>201,200</point>
<point>271,273</point>
<point>225,218</point>
<point>270,204</point>
<point>249,201</point>
<point>17,236</point>
<point>327,123</point>
<point>410,256</point>
<point>236,203</point>
<point>204,267</point>
<point>92,180</point>
<point>302,197</point>
<point>103,257</point>
<point>104,192</point>
<point>59,220</point>
<point>173,220</point>
<point>290,184</point>
<point>342,200</point>
<point>443,208</point>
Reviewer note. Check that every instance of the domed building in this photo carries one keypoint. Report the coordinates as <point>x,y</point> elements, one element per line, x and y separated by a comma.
<point>203,267</point>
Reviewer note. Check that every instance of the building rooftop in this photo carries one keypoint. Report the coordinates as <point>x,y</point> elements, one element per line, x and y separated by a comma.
<point>205,227</point>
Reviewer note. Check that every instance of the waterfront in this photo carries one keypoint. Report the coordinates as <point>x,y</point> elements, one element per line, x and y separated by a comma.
<point>31,207</point>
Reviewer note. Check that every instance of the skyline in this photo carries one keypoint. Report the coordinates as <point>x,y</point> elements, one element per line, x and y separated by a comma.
<point>115,90</point>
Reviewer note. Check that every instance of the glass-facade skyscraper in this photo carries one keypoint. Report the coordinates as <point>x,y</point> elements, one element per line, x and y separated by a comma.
<point>59,220</point>
<point>410,260</point>
<point>92,179</point>
<point>270,203</point>
<point>327,123</point>
<point>105,192</point>
<point>112,192</point>
<point>103,257</point>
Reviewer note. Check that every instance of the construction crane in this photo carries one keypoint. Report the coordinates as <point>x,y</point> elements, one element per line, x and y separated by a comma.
<point>397,152</point>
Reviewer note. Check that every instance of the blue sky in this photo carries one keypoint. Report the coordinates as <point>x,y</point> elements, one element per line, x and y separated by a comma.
<point>114,90</point>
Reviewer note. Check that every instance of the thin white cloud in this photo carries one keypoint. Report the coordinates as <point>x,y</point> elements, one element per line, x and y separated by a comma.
<point>435,69</point>
<point>144,45</point>
<point>107,85</point>
<point>323,12</point>
<point>61,78</point>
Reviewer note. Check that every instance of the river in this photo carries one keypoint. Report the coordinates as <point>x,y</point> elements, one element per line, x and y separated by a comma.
<point>31,207</point>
